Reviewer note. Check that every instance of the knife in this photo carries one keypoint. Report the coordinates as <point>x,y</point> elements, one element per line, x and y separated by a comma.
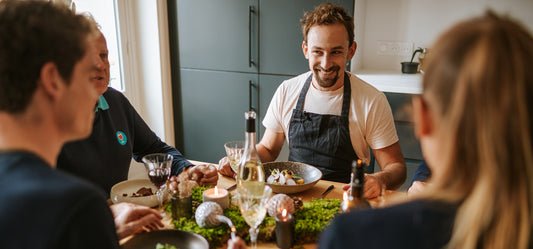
<point>327,191</point>
<point>234,186</point>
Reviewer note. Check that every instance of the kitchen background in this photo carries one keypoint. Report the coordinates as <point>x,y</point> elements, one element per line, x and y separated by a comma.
<point>151,61</point>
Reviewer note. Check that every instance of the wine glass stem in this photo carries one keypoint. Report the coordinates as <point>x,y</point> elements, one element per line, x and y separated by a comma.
<point>253,237</point>
<point>160,196</point>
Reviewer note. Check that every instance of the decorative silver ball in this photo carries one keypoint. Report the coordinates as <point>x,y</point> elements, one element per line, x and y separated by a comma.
<point>278,202</point>
<point>206,214</point>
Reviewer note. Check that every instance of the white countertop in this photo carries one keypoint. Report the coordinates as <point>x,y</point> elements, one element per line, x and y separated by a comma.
<point>390,81</point>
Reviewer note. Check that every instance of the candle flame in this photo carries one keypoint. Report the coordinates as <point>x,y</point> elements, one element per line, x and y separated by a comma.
<point>216,191</point>
<point>359,161</point>
<point>345,196</point>
<point>284,212</point>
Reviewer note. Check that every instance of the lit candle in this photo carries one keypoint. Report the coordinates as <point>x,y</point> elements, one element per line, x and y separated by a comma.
<point>217,195</point>
<point>284,230</point>
<point>345,204</point>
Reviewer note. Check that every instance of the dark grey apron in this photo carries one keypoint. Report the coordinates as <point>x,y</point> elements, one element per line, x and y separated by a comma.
<point>323,140</point>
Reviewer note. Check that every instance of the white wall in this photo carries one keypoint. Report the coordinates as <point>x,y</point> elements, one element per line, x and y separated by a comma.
<point>418,22</point>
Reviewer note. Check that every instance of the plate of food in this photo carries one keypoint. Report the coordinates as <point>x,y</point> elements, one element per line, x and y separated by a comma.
<point>291,177</point>
<point>167,239</point>
<point>138,191</point>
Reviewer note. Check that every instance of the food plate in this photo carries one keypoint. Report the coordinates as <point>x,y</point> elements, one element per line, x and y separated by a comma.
<point>310,174</point>
<point>177,238</point>
<point>131,186</point>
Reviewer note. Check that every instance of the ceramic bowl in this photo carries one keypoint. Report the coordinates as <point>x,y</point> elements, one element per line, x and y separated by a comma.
<point>310,174</point>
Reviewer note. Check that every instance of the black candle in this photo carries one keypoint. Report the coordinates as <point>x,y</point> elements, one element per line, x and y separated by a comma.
<point>284,230</point>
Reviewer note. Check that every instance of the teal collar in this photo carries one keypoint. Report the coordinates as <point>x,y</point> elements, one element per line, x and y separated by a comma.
<point>102,104</point>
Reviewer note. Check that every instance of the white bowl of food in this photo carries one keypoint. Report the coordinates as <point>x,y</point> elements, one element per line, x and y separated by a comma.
<point>138,191</point>
<point>291,177</point>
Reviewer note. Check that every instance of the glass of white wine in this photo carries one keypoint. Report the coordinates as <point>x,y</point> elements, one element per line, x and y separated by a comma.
<point>253,208</point>
<point>234,150</point>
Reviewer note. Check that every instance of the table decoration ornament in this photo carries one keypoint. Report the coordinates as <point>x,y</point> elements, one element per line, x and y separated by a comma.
<point>210,214</point>
<point>279,202</point>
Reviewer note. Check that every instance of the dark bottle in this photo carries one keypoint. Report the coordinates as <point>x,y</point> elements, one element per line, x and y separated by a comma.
<point>356,199</point>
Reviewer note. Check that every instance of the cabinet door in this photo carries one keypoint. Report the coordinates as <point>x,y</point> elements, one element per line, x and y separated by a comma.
<point>217,35</point>
<point>267,86</point>
<point>408,141</point>
<point>213,106</point>
<point>411,165</point>
<point>280,50</point>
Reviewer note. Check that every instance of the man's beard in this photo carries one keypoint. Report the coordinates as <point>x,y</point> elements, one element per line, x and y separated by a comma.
<point>326,82</point>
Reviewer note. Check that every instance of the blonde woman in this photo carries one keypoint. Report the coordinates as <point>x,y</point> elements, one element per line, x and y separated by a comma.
<point>474,121</point>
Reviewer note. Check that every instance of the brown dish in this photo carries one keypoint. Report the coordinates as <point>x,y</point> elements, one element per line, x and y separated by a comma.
<point>310,174</point>
<point>177,238</point>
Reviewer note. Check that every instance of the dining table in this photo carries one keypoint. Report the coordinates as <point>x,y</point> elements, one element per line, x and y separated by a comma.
<point>315,192</point>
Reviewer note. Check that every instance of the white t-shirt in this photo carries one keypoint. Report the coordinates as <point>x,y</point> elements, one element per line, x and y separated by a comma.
<point>370,116</point>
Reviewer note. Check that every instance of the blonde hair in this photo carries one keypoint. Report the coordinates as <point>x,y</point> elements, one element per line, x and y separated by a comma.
<point>480,83</point>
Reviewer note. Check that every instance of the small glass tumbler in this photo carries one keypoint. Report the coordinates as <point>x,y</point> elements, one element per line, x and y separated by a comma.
<point>181,207</point>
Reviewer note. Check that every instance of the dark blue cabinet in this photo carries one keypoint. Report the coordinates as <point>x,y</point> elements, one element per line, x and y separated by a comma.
<point>401,110</point>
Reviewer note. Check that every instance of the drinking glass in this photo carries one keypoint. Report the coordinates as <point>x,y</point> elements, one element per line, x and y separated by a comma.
<point>234,150</point>
<point>158,167</point>
<point>253,208</point>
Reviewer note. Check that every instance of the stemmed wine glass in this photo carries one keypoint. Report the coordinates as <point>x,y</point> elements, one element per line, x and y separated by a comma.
<point>253,206</point>
<point>234,150</point>
<point>158,167</point>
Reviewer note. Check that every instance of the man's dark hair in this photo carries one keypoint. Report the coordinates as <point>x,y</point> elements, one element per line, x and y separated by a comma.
<point>33,33</point>
<point>328,14</point>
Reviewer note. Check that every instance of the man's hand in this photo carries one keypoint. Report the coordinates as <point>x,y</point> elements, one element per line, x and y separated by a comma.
<point>373,186</point>
<point>224,168</point>
<point>130,218</point>
<point>204,174</point>
<point>416,187</point>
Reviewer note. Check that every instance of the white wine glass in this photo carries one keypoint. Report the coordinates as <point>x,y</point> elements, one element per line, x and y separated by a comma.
<point>158,167</point>
<point>234,150</point>
<point>253,208</point>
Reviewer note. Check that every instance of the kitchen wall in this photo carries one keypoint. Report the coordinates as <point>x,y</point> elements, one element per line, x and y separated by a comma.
<point>388,30</point>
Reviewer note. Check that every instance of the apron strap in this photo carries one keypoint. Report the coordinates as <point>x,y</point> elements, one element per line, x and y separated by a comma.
<point>301,98</point>
<point>347,96</point>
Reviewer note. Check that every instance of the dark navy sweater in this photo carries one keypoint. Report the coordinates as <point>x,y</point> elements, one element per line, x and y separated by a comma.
<point>119,134</point>
<point>45,208</point>
<point>412,225</point>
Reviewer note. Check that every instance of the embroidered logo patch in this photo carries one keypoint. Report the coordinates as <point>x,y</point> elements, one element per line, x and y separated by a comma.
<point>121,137</point>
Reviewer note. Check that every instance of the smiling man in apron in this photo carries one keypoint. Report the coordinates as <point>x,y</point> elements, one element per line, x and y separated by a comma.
<point>331,117</point>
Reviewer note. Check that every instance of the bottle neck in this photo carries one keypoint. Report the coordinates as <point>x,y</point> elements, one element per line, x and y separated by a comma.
<point>249,143</point>
<point>358,180</point>
<point>249,137</point>
<point>357,191</point>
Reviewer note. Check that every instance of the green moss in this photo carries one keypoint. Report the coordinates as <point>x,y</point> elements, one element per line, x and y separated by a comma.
<point>308,222</point>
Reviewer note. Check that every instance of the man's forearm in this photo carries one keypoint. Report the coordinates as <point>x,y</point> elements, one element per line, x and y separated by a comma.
<point>392,175</point>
